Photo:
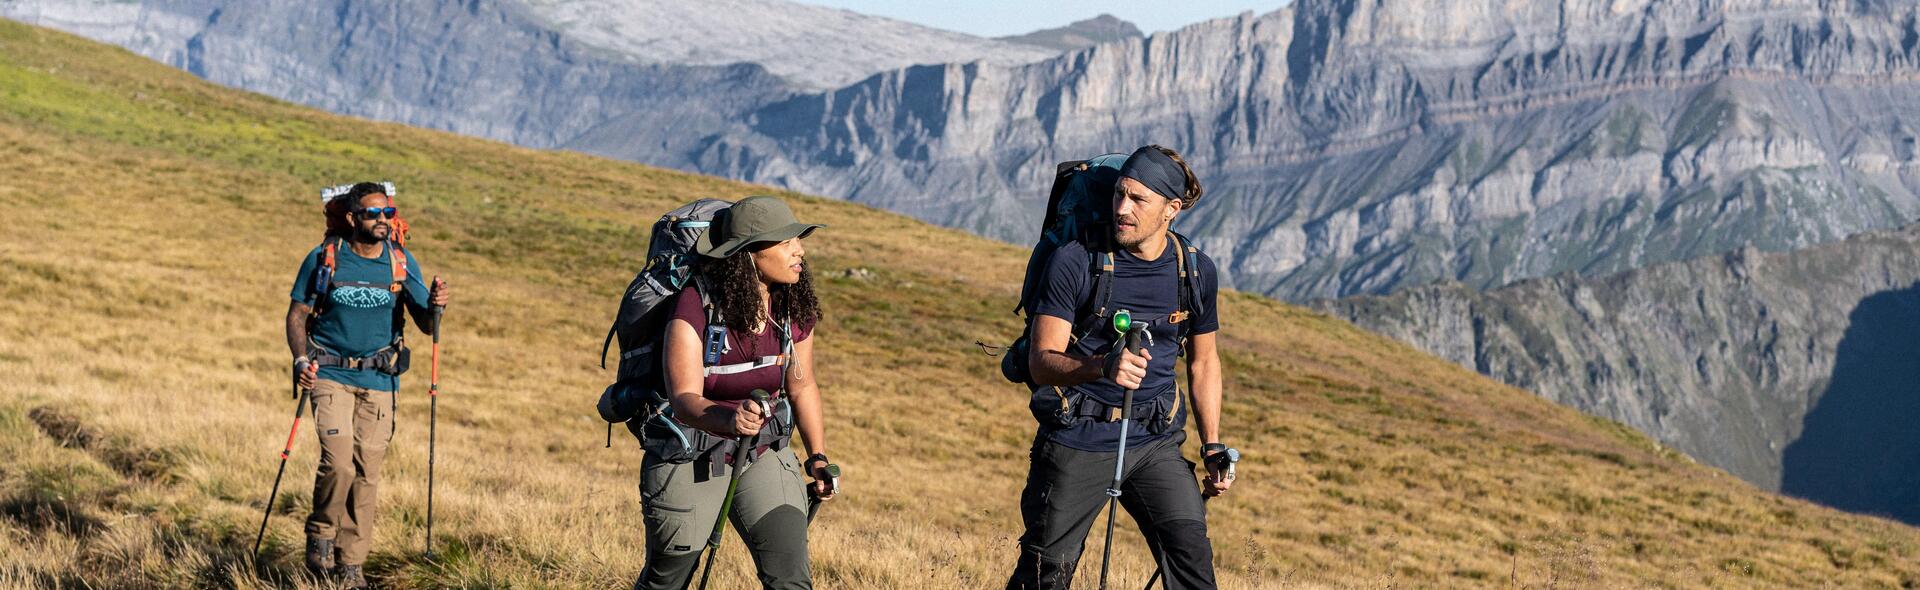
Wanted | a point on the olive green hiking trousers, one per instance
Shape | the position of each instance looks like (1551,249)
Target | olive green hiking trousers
(769,513)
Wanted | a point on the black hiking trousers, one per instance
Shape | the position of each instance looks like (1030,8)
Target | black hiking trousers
(1067,490)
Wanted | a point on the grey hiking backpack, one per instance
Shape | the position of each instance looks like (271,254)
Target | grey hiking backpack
(638,395)
(641,322)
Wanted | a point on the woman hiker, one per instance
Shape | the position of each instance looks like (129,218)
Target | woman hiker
(743,326)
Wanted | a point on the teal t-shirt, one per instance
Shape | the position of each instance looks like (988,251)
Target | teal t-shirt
(357,320)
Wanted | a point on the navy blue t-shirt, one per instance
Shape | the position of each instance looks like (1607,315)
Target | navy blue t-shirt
(1150,289)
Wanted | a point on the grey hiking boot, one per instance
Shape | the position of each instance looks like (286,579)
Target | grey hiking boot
(351,578)
(319,555)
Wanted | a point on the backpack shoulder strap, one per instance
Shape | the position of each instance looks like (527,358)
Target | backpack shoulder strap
(1184,310)
(1186,259)
(397,254)
(1102,283)
(1100,297)
(321,282)
(398,257)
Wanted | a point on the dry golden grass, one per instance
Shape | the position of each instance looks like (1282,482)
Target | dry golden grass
(155,222)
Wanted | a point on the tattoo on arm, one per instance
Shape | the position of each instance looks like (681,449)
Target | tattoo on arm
(297,314)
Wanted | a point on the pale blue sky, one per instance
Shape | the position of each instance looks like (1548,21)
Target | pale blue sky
(995,18)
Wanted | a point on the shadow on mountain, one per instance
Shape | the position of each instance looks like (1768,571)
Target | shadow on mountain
(1859,449)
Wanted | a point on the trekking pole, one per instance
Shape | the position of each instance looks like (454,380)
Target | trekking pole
(833,484)
(1123,325)
(742,450)
(433,418)
(298,411)
(1226,459)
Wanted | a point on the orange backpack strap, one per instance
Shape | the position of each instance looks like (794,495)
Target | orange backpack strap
(331,247)
(399,257)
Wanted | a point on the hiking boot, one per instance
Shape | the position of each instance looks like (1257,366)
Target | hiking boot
(319,555)
(351,578)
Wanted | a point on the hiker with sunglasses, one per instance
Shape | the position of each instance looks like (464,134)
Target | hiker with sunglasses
(1132,265)
(741,327)
(345,328)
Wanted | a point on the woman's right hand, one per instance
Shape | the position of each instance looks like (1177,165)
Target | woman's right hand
(747,419)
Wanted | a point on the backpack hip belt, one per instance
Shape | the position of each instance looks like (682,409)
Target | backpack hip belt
(675,442)
(1060,407)
(390,360)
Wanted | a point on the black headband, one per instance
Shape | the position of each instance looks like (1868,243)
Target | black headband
(1159,172)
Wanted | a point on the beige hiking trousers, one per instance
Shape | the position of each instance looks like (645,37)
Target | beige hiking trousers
(355,424)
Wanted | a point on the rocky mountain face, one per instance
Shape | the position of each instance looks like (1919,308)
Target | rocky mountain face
(810,46)
(485,69)
(1358,146)
(1799,372)
(1349,146)
(538,73)
(1105,28)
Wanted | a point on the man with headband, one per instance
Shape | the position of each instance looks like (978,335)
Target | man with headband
(1168,286)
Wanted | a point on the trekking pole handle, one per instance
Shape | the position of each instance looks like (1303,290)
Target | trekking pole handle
(436,312)
(759,397)
(1225,461)
(833,478)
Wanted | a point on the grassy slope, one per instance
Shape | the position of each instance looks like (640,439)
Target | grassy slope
(154,222)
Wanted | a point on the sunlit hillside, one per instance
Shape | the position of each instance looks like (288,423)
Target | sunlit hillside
(153,224)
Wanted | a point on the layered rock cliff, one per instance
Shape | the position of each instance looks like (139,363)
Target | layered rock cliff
(1796,371)
(1357,146)
(486,69)
(1350,146)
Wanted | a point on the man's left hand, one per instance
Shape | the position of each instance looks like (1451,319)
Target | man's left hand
(1219,476)
(438,297)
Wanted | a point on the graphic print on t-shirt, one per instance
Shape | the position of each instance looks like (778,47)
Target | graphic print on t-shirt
(362,297)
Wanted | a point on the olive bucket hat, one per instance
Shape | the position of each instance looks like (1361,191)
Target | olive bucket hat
(753,220)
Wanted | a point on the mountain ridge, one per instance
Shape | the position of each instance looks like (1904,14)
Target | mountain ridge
(1319,205)
(812,47)
(1735,359)
(1351,146)
(1081,34)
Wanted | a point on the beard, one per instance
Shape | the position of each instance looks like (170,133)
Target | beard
(1140,233)
(378,233)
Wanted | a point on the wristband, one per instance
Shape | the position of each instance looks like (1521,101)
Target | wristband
(1211,448)
(821,457)
(300,364)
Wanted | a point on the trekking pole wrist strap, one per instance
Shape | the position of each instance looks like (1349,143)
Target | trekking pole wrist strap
(1211,448)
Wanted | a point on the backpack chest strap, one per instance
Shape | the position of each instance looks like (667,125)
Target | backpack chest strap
(778,360)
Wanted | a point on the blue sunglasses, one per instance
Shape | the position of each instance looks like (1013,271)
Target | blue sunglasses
(376,212)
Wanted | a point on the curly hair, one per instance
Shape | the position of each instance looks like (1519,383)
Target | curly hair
(732,284)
